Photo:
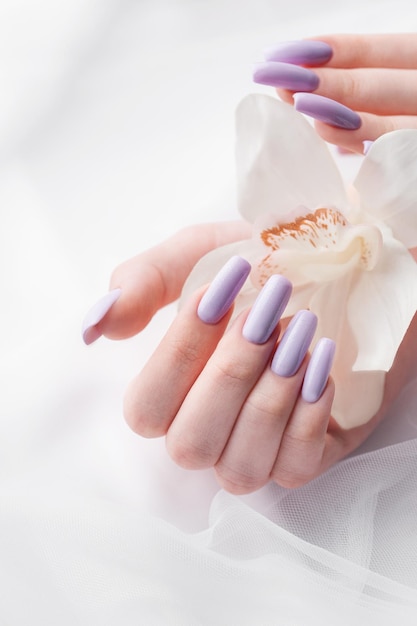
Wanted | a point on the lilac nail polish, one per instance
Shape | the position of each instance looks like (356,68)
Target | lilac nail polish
(305,52)
(223,290)
(96,314)
(294,344)
(366,146)
(327,110)
(286,76)
(318,370)
(267,309)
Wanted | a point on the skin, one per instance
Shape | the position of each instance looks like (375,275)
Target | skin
(375,75)
(268,432)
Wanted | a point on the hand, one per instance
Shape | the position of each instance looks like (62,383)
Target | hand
(215,395)
(149,281)
(375,76)
(212,392)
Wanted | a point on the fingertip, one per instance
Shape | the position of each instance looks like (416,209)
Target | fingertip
(347,141)
(285,95)
(91,330)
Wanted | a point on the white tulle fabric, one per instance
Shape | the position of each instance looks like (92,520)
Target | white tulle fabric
(342,550)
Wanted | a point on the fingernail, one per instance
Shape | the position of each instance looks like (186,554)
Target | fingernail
(286,76)
(294,344)
(318,370)
(327,110)
(96,314)
(300,52)
(267,309)
(223,290)
(366,146)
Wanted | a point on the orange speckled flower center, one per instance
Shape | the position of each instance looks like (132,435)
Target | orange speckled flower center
(319,229)
(321,245)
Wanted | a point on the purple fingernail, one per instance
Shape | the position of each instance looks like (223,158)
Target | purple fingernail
(327,110)
(96,314)
(267,309)
(294,344)
(286,76)
(366,146)
(223,290)
(300,52)
(318,370)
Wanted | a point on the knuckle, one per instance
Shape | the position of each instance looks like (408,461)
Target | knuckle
(186,350)
(298,461)
(189,454)
(231,372)
(265,409)
(288,477)
(238,480)
(141,412)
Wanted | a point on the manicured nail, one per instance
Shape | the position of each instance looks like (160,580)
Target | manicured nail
(294,344)
(267,309)
(300,52)
(327,110)
(96,314)
(366,146)
(286,76)
(318,370)
(224,288)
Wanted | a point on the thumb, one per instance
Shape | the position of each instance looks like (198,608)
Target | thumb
(145,283)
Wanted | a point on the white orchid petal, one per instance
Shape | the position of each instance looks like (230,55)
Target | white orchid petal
(207,267)
(381,306)
(358,395)
(349,263)
(281,161)
(387,183)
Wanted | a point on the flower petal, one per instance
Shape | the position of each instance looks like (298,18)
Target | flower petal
(381,306)
(208,266)
(281,161)
(358,394)
(319,246)
(387,183)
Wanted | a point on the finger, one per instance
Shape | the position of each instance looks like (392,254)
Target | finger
(395,50)
(372,127)
(154,278)
(251,450)
(378,91)
(302,447)
(248,458)
(199,433)
(154,397)
(203,424)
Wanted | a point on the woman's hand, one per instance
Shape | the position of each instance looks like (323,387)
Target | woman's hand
(230,397)
(374,76)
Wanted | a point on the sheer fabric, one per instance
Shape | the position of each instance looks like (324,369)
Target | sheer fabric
(340,550)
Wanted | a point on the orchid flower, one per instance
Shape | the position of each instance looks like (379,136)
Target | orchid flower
(346,253)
